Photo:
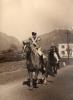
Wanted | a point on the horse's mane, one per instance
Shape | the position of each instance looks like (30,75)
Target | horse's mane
(33,55)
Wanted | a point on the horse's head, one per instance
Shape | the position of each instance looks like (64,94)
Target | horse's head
(27,46)
(52,50)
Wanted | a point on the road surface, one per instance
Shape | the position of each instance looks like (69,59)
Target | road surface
(58,88)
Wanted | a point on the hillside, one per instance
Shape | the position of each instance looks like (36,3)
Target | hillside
(7,42)
(58,36)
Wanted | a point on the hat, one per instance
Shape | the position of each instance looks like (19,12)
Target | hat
(33,33)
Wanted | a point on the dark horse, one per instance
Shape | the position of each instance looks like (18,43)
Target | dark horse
(34,63)
(53,59)
(52,65)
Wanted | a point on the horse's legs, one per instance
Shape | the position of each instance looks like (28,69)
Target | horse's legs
(55,69)
(44,78)
(28,75)
(46,73)
(35,78)
(31,79)
(36,75)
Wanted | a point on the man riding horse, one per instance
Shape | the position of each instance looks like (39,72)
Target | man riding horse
(34,43)
(34,55)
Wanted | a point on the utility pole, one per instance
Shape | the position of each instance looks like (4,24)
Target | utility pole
(68,47)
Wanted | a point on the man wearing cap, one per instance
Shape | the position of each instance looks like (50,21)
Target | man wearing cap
(34,42)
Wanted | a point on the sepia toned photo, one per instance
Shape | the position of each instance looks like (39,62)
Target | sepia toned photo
(36,49)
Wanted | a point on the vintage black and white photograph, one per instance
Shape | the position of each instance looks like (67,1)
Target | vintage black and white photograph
(36,49)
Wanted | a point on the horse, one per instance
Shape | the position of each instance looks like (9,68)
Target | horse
(53,59)
(51,64)
(34,63)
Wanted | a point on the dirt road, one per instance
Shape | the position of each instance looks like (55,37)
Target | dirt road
(58,88)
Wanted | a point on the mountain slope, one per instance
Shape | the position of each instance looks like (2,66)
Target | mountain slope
(57,36)
(7,42)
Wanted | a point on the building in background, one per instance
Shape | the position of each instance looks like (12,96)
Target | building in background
(64,50)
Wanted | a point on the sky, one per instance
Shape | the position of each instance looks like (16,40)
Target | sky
(20,17)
